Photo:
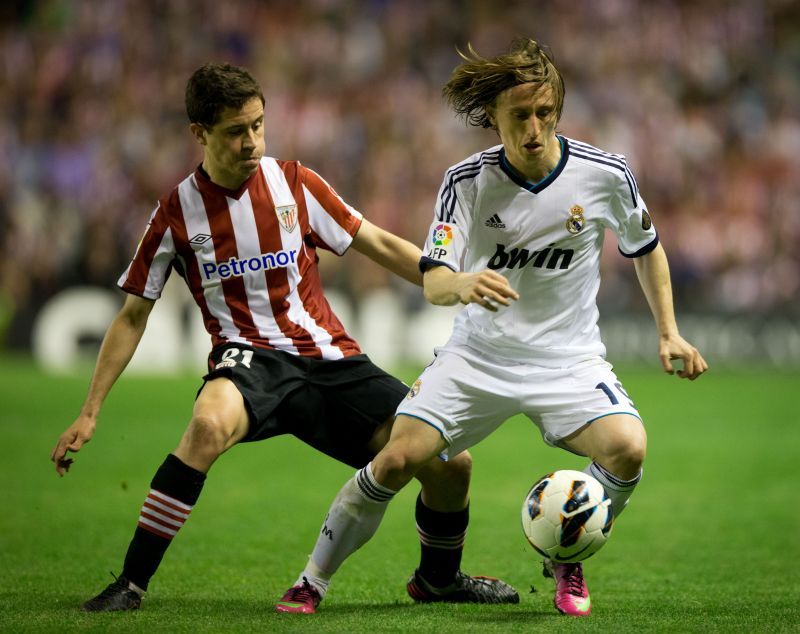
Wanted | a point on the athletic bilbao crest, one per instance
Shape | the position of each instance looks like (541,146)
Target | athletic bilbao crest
(287,216)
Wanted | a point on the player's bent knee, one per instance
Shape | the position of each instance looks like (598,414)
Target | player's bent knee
(630,450)
(208,433)
(392,465)
(637,446)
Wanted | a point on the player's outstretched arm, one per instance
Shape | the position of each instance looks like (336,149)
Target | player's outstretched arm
(390,251)
(121,340)
(445,287)
(653,273)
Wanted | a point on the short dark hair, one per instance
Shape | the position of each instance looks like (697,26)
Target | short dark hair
(476,83)
(213,87)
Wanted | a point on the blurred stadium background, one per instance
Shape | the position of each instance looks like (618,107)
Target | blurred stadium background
(703,97)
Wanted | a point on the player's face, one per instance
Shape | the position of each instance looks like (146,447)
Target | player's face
(234,145)
(525,118)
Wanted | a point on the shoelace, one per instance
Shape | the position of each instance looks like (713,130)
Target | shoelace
(112,589)
(479,585)
(468,581)
(303,593)
(574,580)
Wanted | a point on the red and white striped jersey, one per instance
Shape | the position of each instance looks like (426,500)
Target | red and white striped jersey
(249,257)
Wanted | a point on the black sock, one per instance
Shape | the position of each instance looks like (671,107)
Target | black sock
(173,492)
(441,537)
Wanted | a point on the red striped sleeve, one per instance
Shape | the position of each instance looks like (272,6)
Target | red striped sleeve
(152,263)
(333,222)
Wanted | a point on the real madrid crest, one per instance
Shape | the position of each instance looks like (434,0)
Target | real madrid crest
(414,389)
(287,216)
(646,222)
(576,220)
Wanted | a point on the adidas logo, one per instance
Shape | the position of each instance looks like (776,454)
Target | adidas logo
(495,223)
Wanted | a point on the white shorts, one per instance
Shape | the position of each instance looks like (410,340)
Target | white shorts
(467,394)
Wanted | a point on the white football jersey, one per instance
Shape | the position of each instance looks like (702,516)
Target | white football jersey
(545,238)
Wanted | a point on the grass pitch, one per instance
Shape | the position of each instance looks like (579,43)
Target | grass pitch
(710,542)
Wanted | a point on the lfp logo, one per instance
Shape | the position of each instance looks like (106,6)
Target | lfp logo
(442,235)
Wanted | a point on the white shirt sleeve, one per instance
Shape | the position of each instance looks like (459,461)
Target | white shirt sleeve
(446,241)
(629,218)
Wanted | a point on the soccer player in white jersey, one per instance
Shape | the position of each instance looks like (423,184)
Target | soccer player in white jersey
(516,236)
(242,230)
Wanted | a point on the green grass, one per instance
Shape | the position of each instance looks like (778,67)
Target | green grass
(710,542)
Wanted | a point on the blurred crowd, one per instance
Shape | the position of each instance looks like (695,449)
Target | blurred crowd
(703,97)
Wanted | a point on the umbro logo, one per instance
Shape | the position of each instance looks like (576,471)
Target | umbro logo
(495,223)
(200,238)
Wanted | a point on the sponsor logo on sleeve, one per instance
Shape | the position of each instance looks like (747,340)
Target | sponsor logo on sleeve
(442,235)
(646,222)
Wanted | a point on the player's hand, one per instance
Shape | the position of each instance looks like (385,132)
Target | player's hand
(485,288)
(75,437)
(675,347)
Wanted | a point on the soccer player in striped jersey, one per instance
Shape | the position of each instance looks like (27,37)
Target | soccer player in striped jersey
(242,231)
(516,236)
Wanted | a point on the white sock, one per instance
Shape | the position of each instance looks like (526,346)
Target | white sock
(352,520)
(320,583)
(135,588)
(618,490)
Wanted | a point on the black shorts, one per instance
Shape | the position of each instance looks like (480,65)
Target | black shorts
(333,406)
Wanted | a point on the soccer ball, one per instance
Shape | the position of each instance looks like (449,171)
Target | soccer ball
(567,516)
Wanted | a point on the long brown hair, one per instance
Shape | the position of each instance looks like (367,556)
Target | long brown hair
(476,82)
